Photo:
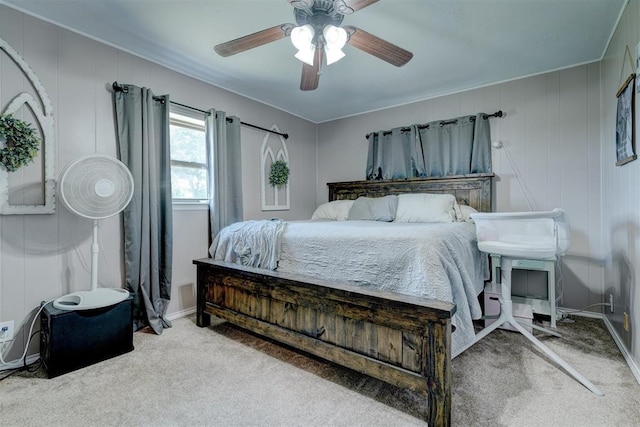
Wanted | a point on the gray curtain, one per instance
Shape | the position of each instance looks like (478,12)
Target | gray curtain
(441,148)
(481,150)
(225,185)
(395,154)
(143,141)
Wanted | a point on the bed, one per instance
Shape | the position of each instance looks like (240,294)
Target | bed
(399,338)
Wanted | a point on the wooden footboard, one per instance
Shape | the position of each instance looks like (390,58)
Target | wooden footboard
(400,339)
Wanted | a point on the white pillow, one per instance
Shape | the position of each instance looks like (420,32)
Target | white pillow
(374,208)
(466,211)
(425,207)
(338,210)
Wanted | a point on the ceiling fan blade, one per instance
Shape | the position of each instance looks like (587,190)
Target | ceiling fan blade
(253,40)
(311,73)
(377,47)
(347,7)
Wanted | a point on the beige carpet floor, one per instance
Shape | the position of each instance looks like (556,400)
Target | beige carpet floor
(224,376)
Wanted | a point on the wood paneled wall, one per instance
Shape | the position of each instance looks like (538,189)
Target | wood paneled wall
(43,257)
(551,156)
(559,152)
(621,192)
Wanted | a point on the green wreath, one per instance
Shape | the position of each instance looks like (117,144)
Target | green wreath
(279,174)
(21,143)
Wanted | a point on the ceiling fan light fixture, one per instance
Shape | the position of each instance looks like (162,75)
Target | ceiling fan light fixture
(302,37)
(333,55)
(335,38)
(306,55)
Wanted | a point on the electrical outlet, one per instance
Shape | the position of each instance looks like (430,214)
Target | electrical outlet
(626,322)
(611,303)
(7,329)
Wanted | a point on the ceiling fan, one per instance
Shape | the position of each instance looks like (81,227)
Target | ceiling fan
(319,37)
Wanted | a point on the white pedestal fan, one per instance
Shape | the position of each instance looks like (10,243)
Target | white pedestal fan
(94,187)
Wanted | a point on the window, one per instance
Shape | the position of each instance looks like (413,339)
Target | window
(189,171)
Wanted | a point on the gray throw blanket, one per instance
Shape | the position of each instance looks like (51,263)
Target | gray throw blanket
(255,243)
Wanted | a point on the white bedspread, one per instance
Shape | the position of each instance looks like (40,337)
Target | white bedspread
(437,261)
(253,243)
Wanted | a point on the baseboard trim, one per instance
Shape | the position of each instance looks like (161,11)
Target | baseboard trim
(616,338)
(623,349)
(181,313)
(589,314)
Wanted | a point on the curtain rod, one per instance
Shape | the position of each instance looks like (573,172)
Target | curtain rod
(498,113)
(116,87)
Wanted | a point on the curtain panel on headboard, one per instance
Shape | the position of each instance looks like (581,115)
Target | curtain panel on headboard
(440,148)
(395,154)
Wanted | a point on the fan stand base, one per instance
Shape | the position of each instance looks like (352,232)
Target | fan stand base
(87,300)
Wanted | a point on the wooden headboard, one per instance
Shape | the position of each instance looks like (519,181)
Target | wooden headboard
(472,190)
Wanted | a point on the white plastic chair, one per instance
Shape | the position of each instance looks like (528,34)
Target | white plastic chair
(526,235)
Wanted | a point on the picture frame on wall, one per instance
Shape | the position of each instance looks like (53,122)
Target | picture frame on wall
(624,123)
(638,67)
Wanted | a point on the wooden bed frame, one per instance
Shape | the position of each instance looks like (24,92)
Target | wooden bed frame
(400,339)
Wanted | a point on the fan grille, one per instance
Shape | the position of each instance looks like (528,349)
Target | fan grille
(96,186)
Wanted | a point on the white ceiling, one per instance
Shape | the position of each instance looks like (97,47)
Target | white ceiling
(457,45)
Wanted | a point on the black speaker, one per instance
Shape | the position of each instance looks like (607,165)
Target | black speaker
(73,339)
